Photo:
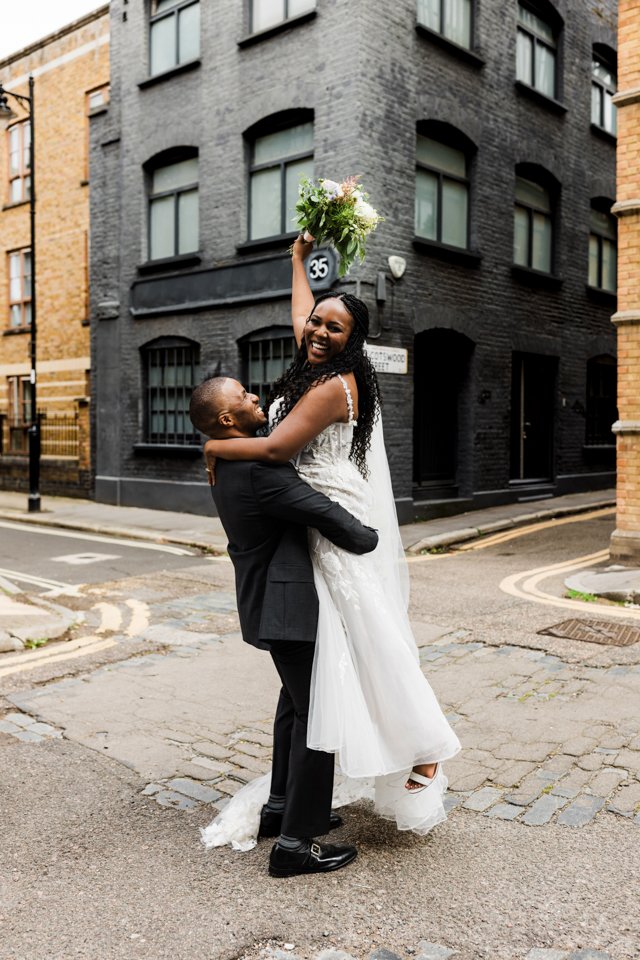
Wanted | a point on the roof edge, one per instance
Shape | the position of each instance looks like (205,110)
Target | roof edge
(51,37)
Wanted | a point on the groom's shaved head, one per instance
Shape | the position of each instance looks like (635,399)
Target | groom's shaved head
(221,407)
(208,401)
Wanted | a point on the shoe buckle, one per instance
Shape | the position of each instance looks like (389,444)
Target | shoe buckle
(315,849)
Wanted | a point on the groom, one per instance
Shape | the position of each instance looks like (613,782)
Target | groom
(265,510)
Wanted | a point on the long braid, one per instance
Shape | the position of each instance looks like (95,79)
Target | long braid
(302,376)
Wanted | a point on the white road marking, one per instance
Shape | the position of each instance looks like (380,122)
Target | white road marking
(139,618)
(110,617)
(97,538)
(78,559)
(32,663)
(54,587)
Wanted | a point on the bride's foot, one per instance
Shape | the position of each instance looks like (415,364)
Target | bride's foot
(426,771)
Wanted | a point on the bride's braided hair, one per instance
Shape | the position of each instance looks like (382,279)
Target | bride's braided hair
(302,376)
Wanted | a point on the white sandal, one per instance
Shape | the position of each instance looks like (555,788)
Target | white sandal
(425,781)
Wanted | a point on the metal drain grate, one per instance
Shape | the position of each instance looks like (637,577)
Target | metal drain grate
(595,631)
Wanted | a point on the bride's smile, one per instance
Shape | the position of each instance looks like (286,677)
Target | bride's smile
(327,331)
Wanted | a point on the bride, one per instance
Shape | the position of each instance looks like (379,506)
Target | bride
(371,705)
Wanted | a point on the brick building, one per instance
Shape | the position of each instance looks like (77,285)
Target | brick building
(71,75)
(625,543)
(485,134)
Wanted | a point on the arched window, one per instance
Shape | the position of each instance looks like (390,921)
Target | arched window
(173,203)
(450,18)
(602,246)
(267,13)
(602,411)
(533,218)
(174,34)
(442,185)
(170,371)
(266,354)
(603,88)
(281,152)
(537,46)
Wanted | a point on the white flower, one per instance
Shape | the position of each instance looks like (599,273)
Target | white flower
(332,189)
(365,211)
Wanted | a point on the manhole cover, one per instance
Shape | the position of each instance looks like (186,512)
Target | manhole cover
(594,631)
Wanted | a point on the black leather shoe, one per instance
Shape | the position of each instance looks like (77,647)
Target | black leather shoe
(271,823)
(314,858)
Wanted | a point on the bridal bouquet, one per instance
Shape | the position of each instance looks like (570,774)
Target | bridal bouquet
(338,213)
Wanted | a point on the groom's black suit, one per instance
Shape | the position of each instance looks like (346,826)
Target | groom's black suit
(265,510)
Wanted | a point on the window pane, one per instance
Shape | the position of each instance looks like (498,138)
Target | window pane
(457,21)
(189,33)
(162,242)
(15,289)
(284,143)
(265,214)
(163,44)
(601,72)
(521,237)
(16,190)
(596,104)
(161,5)
(96,99)
(26,312)
(524,58)
(26,280)
(541,258)
(426,205)
(532,194)
(175,175)
(188,226)
(266,13)
(293,172)
(15,316)
(296,7)
(535,24)
(26,188)
(429,14)
(608,266)
(440,156)
(26,144)
(594,257)
(610,120)
(603,223)
(455,199)
(545,70)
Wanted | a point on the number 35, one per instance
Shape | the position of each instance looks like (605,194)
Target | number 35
(318,268)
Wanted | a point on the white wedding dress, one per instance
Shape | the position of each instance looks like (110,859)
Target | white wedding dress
(370,703)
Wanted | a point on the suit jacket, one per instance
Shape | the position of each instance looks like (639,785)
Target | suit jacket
(265,510)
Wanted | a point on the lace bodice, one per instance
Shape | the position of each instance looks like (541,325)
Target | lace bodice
(324,462)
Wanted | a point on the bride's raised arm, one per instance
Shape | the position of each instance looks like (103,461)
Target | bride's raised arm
(302,298)
(319,407)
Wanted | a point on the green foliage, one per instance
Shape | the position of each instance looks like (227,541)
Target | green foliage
(338,213)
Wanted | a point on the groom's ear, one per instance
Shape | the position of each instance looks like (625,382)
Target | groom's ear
(225,419)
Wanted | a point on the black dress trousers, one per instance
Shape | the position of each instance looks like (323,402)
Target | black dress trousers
(303,776)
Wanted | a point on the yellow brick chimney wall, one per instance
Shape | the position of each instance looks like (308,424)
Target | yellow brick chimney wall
(625,542)
(66,67)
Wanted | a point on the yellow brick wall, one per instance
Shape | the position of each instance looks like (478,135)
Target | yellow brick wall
(625,542)
(65,66)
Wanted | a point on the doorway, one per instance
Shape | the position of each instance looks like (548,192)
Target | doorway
(533,388)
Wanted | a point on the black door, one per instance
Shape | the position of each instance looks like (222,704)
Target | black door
(441,364)
(532,416)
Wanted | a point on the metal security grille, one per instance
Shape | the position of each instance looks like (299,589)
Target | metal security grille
(59,435)
(265,360)
(171,372)
(595,631)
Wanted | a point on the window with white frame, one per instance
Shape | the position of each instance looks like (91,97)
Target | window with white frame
(533,226)
(442,193)
(278,161)
(170,372)
(173,209)
(19,136)
(451,18)
(174,34)
(536,52)
(603,88)
(268,13)
(19,267)
(602,250)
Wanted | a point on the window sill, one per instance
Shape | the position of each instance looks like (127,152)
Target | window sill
(277,28)
(169,74)
(18,203)
(444,251)
(540,98)
(98,111)
(267,243)
(599,447)
(536,278)
(606,297)
(464,53)
(14,331)
(605,135)
(170,263)
(169,449)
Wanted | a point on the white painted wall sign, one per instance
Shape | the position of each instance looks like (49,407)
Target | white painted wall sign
(388,359)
